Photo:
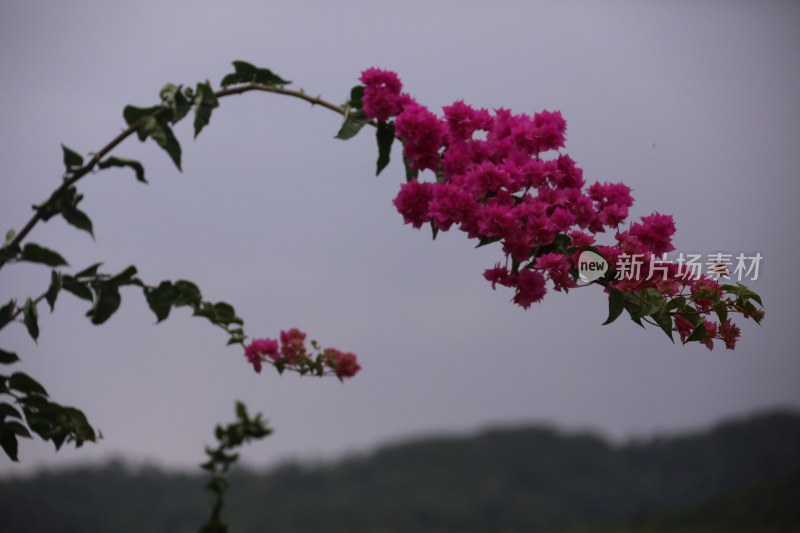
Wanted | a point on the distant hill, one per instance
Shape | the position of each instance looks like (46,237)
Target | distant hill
(742,475)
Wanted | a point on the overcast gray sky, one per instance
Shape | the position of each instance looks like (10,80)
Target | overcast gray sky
(694,105)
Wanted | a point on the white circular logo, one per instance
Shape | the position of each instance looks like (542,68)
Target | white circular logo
(591,266)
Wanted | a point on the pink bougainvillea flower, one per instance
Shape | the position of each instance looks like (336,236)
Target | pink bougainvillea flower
(412,202)
(344,364)
(292,345)
(256,351)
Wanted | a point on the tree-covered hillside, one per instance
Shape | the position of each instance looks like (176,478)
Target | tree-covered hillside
(741,475)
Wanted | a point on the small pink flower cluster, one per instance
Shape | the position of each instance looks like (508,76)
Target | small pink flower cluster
(292,353)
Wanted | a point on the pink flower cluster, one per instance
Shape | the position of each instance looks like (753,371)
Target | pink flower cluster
(500,177)
(493,181)
(291,352)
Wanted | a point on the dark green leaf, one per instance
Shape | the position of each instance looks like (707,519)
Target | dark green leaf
(106,303)
(487,240)
(8,253)
(411,172)
(616,304)
(434,230)
(161,133)
(160,299)
(241,412)
(25,384)
(89,271)
(187,293)
(7,312)
(52,291)
(133,115)
(72,159)
(352,124)
(699,333)
(753,296)
(17,429)
(635,311)
(34,253)
(679,302)
(7,410)
(664,321)
(205,101)
(124,278)
(31,318)
(225,314)
(385,136)
(68,283)
(6,358)
(78,218)
(8,440)
(721,309)
(246,73)
(174,99)
(356,97)
(120,162)
(206,310)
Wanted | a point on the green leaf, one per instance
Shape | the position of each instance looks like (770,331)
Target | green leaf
(224,313)
(246,73)
(120,162)
(664,321)
(8,253)
(8,410)
(205,101)
(434,230)
(25,384)
(78,218)
(6,358)
(7,312)
(34,253)
(699,333)
(158,130)
(174,99)
(89,271)
(187,293)
(17,429)
(747,293)
(411,172)
(134,114)
(356,97)
(352,124)
(72,159)
(160,299)
(8,440)
(124,278)
(616,304)
(70,284)
(106,303)
(651,303)
(487,240)
(241,412)
(679,302)
(31,318)
(721,309)
(52,291)
(385,136)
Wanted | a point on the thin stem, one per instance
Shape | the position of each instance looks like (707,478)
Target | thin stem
(314,100)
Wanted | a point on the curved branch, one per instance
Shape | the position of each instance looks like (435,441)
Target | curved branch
(77,174)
